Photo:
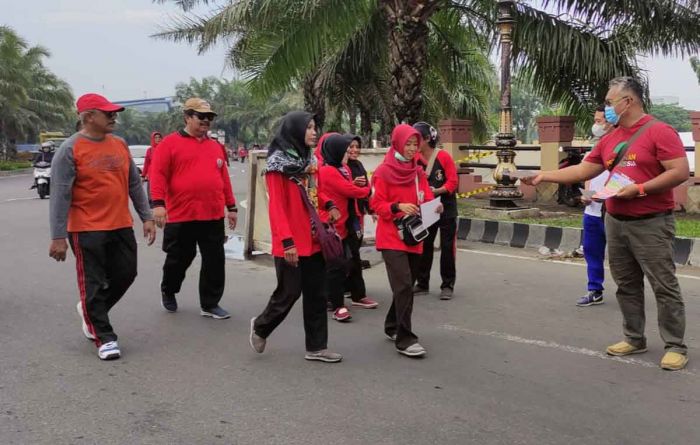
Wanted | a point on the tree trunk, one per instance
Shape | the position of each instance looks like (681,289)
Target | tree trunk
(352,115)
(366,126)
(408,53)
(314,98)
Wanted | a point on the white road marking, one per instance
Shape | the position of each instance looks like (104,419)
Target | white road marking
(553,345)
(244,203)
(20,199)
(568,263)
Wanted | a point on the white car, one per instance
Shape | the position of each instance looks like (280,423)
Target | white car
(138,153)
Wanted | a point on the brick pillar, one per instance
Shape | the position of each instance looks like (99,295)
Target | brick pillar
(453,133)
(554,132)
(695,122)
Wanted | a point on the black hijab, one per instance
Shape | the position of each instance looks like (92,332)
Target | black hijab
(334,148)
(288,153)
(356,166)
(291,133)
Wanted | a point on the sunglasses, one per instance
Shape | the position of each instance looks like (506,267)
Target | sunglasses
(609,102)
(108,114)
(204,116)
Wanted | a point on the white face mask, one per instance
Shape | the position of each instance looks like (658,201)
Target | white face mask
(598,130)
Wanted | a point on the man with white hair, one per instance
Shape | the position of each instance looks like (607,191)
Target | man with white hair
(93,177)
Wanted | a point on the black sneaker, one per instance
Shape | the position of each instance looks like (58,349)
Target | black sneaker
(169,302)
(215,312)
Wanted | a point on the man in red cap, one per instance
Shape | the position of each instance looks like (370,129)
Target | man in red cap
(93,177)
(190,188)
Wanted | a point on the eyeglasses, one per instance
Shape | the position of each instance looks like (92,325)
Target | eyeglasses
(609,102)
(203,116)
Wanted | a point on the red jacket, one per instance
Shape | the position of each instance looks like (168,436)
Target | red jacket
(149,155)
(290,224)
(147,162)
(385,194)
(189,177)
(333,186)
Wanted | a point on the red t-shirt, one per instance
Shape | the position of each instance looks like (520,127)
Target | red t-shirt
(641,163)
(189,176)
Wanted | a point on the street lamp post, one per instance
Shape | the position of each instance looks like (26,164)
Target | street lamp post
(506,192)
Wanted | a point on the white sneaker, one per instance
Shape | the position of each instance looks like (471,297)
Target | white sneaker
(109,351)
(415,350)
(86,330)
(324,355)
(256,342)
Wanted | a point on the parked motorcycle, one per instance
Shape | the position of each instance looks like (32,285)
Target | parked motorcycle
(570,194)
(42,178)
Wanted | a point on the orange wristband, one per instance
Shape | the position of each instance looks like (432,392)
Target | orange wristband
(640,188)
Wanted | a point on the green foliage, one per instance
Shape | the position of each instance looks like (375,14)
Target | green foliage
(674,115)
(244,119)
(32,98)
(566,51)
(14,165)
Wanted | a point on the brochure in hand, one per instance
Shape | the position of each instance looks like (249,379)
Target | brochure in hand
(616,182)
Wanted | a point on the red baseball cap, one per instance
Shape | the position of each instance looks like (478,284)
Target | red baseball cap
(92,101)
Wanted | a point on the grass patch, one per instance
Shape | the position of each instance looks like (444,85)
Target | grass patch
(14,165)
(687,225)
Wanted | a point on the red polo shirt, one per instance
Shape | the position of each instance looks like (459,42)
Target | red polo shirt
(190,177)
(642,162)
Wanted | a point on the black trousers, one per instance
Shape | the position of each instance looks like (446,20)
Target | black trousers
(350,275)
(448,273)
(180,241)
(401,267)
(106,265)
(307,279)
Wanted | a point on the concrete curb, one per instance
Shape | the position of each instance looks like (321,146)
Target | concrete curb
(686,251)
(23,171)
(694,259)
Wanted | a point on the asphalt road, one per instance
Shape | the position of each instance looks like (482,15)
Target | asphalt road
(510,360)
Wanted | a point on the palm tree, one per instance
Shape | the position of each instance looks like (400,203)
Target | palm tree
(31,97)
(353,70)
(239,112)
(695,63)
(567,50)
(132,127)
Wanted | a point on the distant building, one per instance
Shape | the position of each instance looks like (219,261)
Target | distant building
(154,105)
(665,100)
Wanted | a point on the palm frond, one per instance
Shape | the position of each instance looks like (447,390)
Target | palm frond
(668,27)
(567,64)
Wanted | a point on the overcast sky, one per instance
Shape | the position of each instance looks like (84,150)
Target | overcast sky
(104,46)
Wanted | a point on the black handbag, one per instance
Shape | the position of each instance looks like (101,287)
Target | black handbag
(410,227)
(411,230)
